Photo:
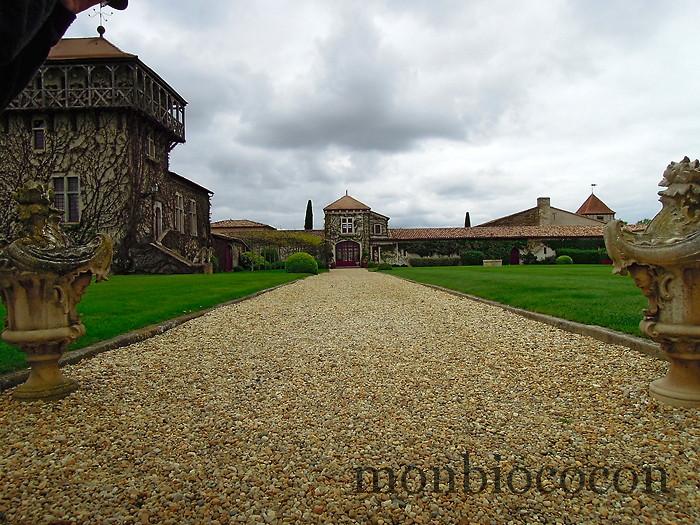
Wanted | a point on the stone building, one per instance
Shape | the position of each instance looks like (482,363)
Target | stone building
(263,239)
(98,125)
(544,214)
(596,209)
(353,231)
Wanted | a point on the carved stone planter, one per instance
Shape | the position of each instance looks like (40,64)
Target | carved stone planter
(42,278)
(664,261)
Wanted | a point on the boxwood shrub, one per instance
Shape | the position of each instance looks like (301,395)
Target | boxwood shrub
(564,259)
(384,266)
(588,256)
(301,262)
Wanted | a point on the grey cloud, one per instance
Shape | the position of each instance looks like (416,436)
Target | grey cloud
(423,110)
(358,101)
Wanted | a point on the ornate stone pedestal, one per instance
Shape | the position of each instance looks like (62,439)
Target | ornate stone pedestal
(42,278)
(664,261)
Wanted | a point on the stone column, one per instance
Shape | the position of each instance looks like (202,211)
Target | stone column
(664,262)
(42,279)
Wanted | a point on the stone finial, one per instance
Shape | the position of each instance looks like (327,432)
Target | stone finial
(664,262)
(42,278)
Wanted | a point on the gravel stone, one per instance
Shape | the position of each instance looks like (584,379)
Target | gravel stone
(259,412)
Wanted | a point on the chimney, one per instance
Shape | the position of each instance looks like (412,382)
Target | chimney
(544,211)
(467,221)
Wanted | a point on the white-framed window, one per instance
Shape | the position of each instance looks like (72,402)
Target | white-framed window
(151,146)
(179,213)
(39,135)
(347,225)
(66,197)
(377,229)
(193,217)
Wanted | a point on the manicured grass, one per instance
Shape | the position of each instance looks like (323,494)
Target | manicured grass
(589,294)
(129,302)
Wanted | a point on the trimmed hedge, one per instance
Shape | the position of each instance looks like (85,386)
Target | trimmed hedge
(472,257)
(580,256)
(384,266)
(564,259)
(301,262)
(434,261)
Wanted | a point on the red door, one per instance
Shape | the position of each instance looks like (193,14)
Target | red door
(347,253)
(515,255)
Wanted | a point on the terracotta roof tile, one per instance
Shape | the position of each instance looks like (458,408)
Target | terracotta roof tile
(240,223)
(495,232)
(593,205)
(346,202)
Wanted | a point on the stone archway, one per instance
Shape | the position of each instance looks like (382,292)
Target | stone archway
(347,254)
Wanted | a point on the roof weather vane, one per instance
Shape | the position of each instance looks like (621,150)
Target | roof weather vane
(593,186)
(120,5)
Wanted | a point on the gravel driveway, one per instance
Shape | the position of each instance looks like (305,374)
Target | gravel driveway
(265,410)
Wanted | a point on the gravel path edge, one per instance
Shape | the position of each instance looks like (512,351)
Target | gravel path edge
(12,379)
(597,332)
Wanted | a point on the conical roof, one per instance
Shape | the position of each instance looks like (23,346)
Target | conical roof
(594,206)
(85,48)
(346,202)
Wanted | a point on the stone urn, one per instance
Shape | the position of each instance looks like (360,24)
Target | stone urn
(42,278)
(664,262)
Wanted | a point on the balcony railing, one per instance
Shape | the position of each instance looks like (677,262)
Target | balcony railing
(104,86)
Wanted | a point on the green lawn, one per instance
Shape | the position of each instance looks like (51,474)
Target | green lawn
(588,294)
(129,302)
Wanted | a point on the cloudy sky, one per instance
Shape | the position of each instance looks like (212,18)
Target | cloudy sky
(423,109)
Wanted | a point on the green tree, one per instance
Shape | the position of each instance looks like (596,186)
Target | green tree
(309,220)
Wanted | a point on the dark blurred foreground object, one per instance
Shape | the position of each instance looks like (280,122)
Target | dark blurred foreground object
(117,4)
(28,30)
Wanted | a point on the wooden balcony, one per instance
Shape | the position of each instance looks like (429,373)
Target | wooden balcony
(112,85)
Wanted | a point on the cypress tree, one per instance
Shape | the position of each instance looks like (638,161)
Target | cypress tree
(309,220)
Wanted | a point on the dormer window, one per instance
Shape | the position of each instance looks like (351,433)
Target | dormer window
(347,225)
(377,229)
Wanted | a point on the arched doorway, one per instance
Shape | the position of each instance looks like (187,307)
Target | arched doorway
(515,255)
(347,253)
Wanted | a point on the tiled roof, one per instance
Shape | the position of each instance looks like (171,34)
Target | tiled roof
(593,205)
(189,182)
(495,232)
(240,223)
(346,202)
(82,48)
(317,233)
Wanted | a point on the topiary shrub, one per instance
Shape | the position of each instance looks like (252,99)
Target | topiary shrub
(384,266)
(301,262)
(472,257)
(564,259)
